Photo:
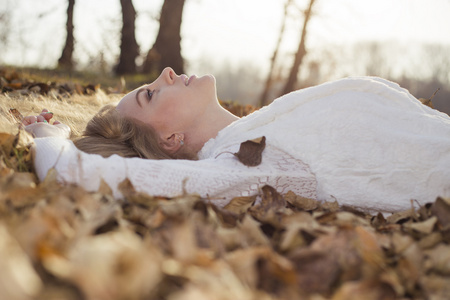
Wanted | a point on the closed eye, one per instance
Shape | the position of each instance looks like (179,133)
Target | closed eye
(150,94)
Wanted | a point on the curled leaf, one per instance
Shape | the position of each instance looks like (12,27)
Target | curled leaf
(240,205)
(16,114)
(428,101)
(250,151)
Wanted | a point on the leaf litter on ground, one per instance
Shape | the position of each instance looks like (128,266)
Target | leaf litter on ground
(69,243)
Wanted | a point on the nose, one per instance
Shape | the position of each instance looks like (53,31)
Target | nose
(168,75)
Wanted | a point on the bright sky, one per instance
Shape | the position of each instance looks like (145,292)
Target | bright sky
(228,31)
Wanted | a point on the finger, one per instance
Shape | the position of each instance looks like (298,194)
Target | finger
(41,118)
(29,120)
(47,114)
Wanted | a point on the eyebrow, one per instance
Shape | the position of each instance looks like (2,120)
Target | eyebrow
(137,95)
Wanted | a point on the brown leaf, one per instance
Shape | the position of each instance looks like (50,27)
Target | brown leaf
(10,75)
(410,261)
(425,227)
(240,205)
(78,88)
(441,209)
(401,217)
(7,142)
(437,286)
(430,240)
(228,219)
(438,259)
(299,231)
(378,220)
(366,289)
(247,233)
(90,89)
(179,206)
(16,114)
(316,270)
(5,170)
(250,151)
(251,229)
(40,87)
(261,267)
(428,101)
(15,85)
(271,199)
(330,206)
(368,248)
(301,202)
(127,188)
(105,188)
(325,218)
(271,208)
(19,190)
(18,278)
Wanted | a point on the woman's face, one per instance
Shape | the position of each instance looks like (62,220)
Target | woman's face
(171,103)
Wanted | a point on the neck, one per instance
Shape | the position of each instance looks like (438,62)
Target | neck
(215,119)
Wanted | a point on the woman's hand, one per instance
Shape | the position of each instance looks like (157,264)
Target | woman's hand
(39,126)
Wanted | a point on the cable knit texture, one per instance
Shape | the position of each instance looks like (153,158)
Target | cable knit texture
(364,142)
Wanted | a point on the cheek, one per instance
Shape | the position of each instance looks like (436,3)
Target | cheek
(175,111)
(165,118)
(175,107)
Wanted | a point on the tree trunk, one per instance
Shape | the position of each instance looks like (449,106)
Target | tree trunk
(301,52)
(66,60)
(129,49)
(166,51)
(263,98)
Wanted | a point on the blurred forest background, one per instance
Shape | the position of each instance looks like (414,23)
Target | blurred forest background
(136,42)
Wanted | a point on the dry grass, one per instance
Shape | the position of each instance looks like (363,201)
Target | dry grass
(74,111)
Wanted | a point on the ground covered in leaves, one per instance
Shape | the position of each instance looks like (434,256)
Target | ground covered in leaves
(61,242)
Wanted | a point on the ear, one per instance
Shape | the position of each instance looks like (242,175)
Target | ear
(173,143)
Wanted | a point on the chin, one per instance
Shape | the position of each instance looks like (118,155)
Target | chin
(211,78)
(213,84)
(209,82)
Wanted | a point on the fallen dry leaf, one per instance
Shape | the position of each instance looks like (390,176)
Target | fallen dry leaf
(441,209)
(367,290)
(438,259)
(18,279)
(16,114)
(425,227)
(301,203)
(7,142)
(428,102)
(240,205)
(250,152)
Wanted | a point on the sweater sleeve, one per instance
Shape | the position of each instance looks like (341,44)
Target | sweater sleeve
(218,179)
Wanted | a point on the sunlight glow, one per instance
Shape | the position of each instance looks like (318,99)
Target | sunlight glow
(227,32)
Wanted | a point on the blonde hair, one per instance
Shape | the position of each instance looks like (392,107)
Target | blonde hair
(109,133)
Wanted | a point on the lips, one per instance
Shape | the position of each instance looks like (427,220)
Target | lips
(187,80)
(190,79)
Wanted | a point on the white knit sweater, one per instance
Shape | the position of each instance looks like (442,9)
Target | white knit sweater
(364,142)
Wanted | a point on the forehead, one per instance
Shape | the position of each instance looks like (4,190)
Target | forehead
(128,101)
(128,106)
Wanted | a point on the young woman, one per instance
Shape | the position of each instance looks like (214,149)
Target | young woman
(364,142)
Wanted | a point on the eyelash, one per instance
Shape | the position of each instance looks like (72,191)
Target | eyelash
(150,94)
